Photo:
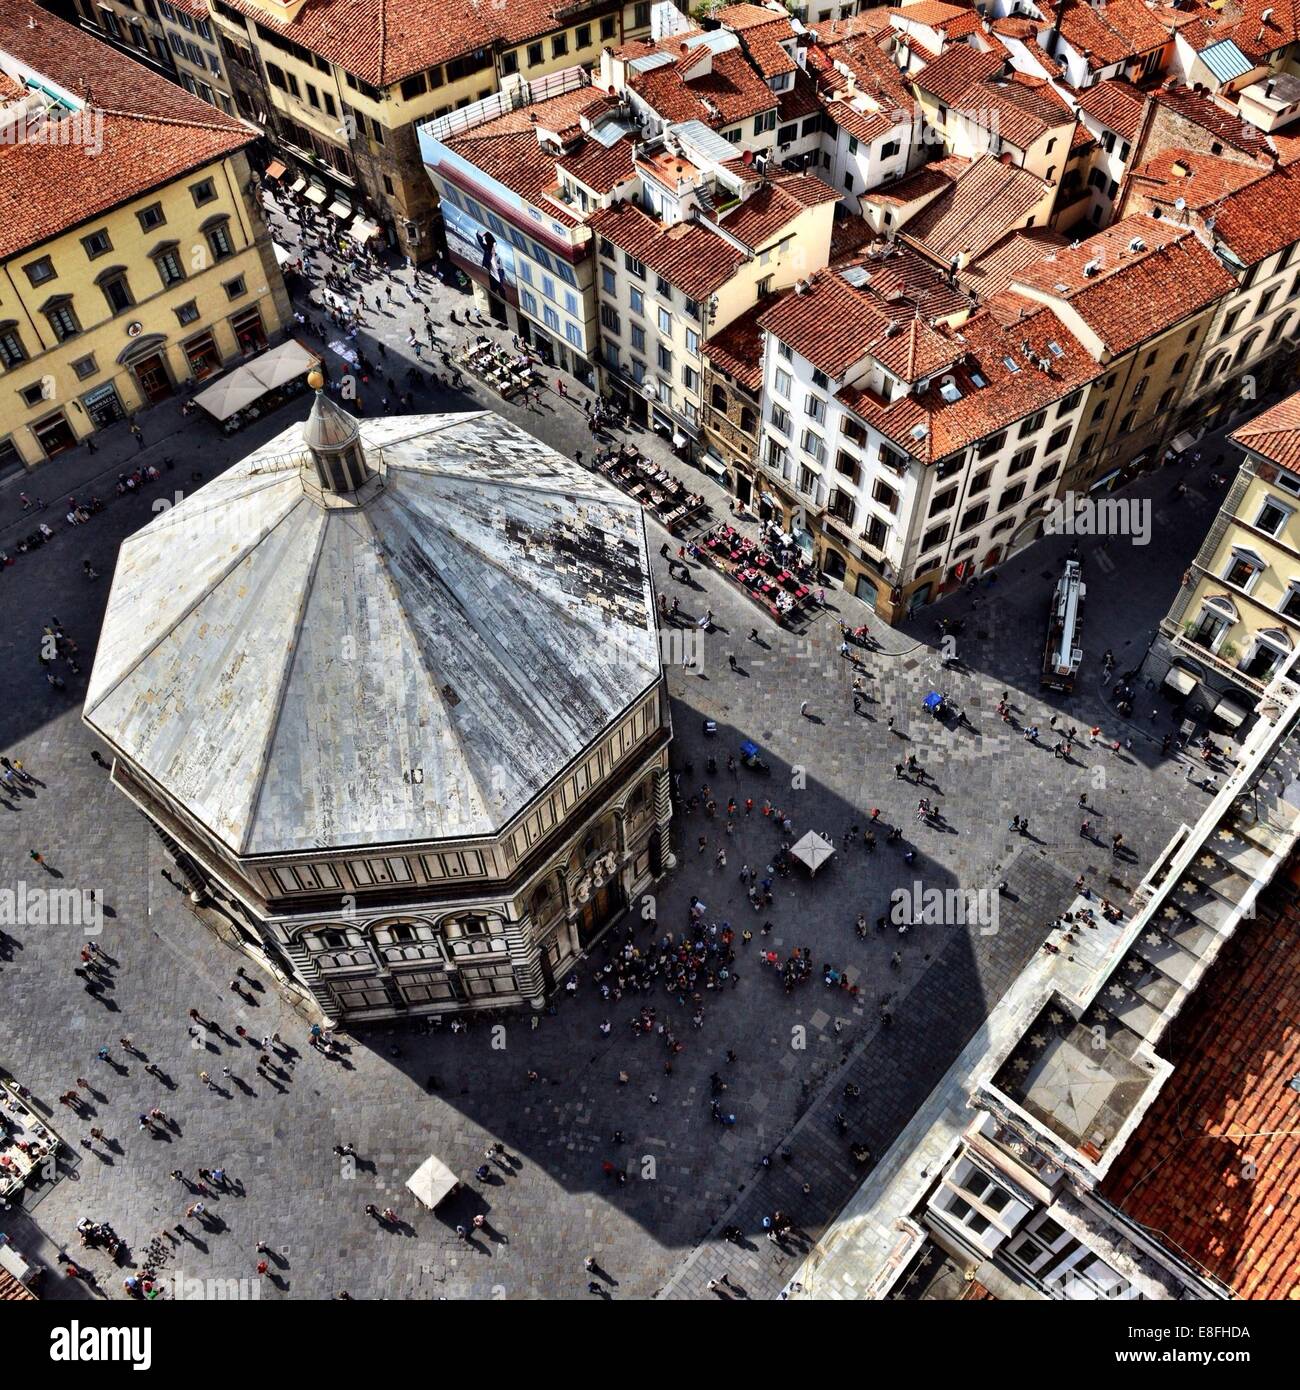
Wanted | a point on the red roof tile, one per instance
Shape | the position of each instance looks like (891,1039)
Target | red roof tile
(761,31)
(1109,33)
(1023,107)
(742,17)
(798,100)
(693,259)
(1275,433)
(14,1290)
(834,325)
(598,167)
(153,132)
(924,183)
(1200,180)
(1116,105)
(1261,218)
(383,41)
(930,427)
(1226,126)
(763,214)
(1256,36)
(1134,293)
(869,23)
(934,14)
(738,349)
(508,150)
(953,74)
(728,92)
(984,202)
(1210,1168)
(993,272)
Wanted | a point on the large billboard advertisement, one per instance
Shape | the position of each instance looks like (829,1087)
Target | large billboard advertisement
(480,253)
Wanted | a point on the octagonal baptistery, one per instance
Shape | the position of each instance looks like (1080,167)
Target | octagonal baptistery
(391,689)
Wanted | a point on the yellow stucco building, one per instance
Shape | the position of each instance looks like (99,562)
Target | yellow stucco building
(1236,618)
(132,256)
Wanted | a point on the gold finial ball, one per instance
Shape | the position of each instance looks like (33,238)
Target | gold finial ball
(316,379)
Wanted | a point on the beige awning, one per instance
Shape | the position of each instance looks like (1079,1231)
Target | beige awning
(431,1182)
(813,850)
(251,381)
(316,194)
(1230,711)
(1179,678)
(362,231)
(341,210)
(1183,442)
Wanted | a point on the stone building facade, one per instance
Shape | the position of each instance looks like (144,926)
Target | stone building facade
(458,777)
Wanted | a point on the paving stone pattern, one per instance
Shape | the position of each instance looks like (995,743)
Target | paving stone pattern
(551,1205)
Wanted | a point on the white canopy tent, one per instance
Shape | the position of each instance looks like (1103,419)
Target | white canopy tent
(432,1181)
(813,849)
(251,381)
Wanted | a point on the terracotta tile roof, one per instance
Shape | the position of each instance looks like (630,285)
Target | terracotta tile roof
(738,349)
(869,23)
(13,1290)
(153,132)
(1135,293)
(696,261)
(993,272)
(924,183)
(872,70)
(1041,56)
(1275,433)
(761,31)
(909,282)
(934,14)
(1107,34)
(598,167)
(849,234)
(951,76)
(798,100)
(835,325)
(730,91)
(507,149)
(742,17)
(757,219)
(985,201)
(929,427)
(1226,126)
(1114,104)
(855,115)
(1210,1169)
(966,79)
(1016,27)
(1257,37)
(1261,218)
(383,41)
(1200,180)
(1082,139)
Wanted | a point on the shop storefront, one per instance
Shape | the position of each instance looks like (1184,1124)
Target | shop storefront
(103,406)
(54,434)
(203,356)
(249,331)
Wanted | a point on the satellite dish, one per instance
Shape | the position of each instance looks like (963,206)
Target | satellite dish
(1180,203)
